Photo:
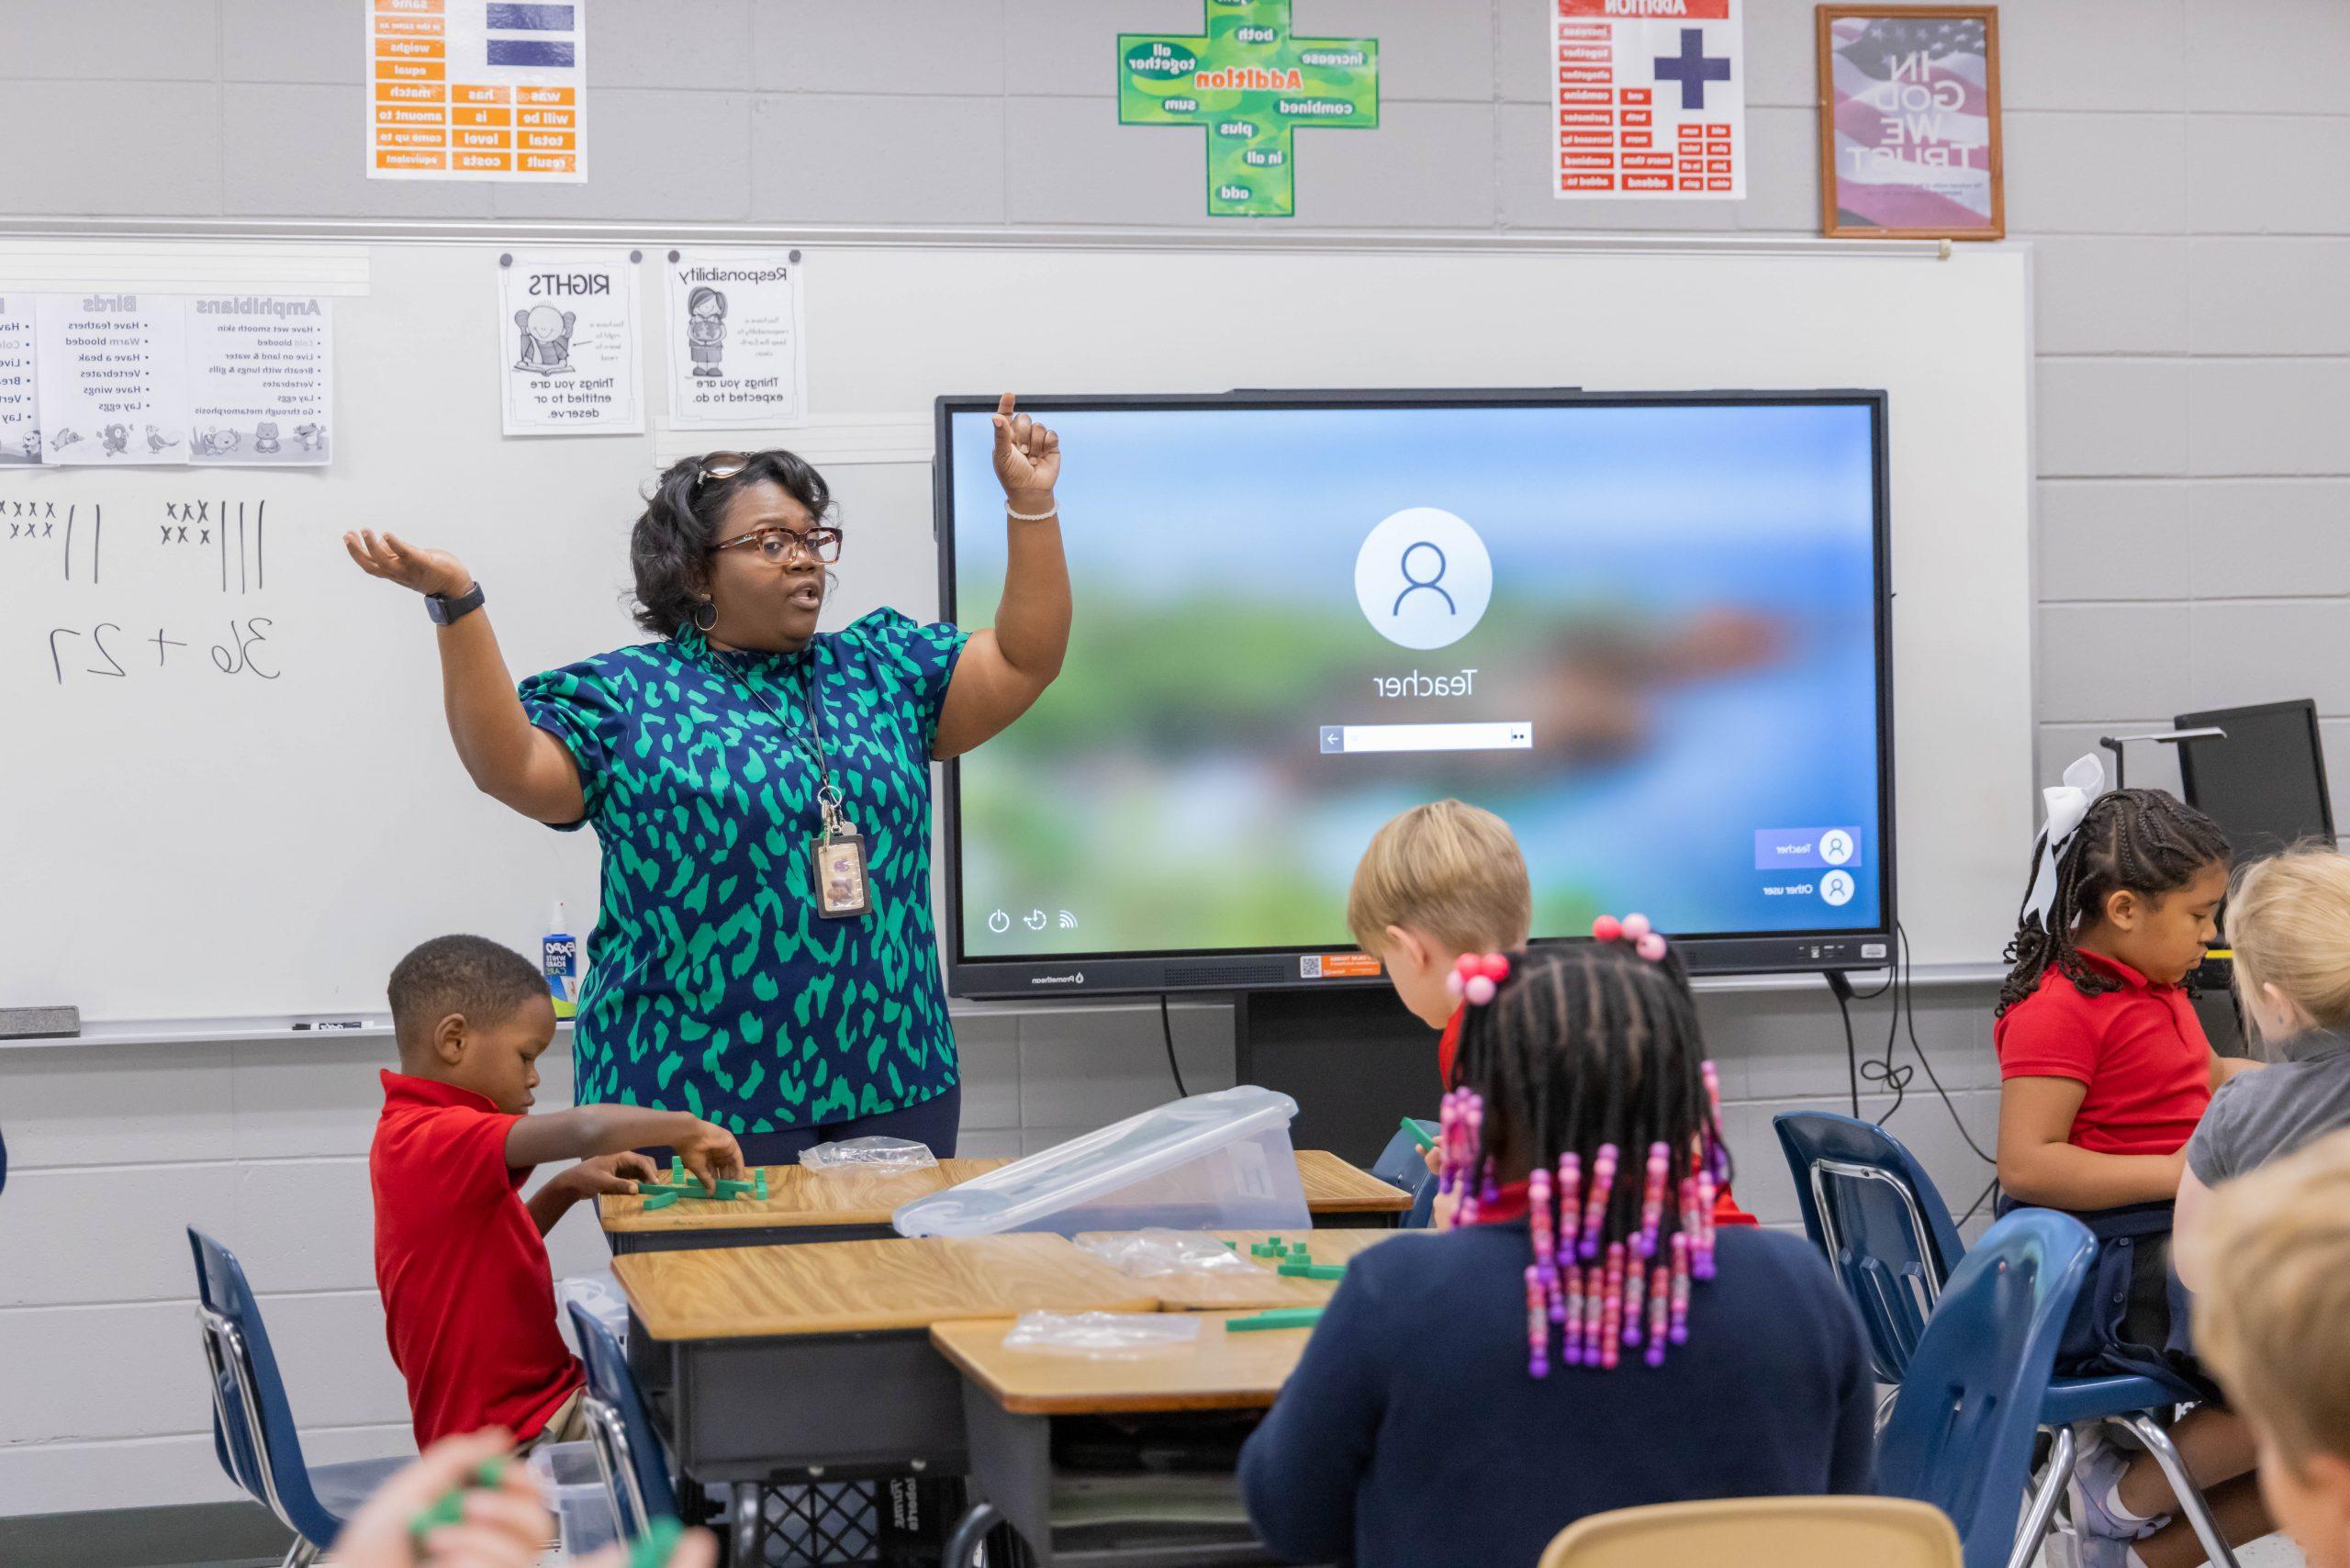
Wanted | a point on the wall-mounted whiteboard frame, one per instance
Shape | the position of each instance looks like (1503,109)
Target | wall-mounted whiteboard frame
(894,317)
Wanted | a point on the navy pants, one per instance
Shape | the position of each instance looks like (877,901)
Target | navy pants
(935,1122)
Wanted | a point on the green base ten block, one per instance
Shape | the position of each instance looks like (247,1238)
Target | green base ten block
(451,1506)
(1286,1317)
(653,1548)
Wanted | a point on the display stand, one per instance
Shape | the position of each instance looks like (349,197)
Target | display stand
(1352,1057)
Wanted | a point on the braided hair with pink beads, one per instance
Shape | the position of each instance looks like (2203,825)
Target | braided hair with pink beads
(1582,1068)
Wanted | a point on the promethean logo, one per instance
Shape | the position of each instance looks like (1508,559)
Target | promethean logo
(1076,979)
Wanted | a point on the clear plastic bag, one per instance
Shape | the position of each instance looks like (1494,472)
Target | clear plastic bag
(1104,1335)
(868,1156)
(1156,1254)
(600,1295)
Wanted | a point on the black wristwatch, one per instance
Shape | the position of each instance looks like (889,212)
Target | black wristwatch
(447,610)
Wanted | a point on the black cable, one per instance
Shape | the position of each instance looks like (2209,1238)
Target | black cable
(1891,973)
(1842,989)
(1894,1077)
(1989,1188)
(1910,986)
(1167,1027)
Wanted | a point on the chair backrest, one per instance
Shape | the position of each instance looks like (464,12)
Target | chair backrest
(1401,1164)
(628,1450)
(1762,1532)
(1871,1208)
(1960,1433)
(252,1423)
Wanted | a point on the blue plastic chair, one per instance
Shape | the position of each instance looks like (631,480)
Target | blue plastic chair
(1961,1428)
(1401,1165)
(252,1424)
(1871,1208)
(628,1450)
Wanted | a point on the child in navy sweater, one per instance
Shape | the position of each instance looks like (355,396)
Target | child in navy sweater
(1584,1338)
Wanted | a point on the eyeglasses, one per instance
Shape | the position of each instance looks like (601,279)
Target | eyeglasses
(719,465)
(776,544)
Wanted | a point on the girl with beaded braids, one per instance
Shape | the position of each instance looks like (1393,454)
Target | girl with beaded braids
(1583,1338)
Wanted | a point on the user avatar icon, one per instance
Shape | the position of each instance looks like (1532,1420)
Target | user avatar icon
(1836,846)
(1837,888)
(1423,578)
(1413,584)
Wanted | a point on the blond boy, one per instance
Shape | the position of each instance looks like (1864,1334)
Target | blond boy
(1440,880)
(2273,1321)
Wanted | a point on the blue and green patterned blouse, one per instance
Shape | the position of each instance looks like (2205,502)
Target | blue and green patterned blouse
(713,986)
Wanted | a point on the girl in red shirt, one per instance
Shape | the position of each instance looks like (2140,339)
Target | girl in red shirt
(2104,1072)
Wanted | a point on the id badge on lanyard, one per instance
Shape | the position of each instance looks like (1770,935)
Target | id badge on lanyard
(836,856)
(836,865)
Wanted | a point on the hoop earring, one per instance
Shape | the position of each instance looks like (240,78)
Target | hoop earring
(706,616)
(831,583)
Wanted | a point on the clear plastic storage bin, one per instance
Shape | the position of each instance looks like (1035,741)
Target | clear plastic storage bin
(1218,1161)
(576,1495)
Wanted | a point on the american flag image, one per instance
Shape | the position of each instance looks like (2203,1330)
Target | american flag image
(1913,131)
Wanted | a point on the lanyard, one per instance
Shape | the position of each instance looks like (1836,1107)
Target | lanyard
(810,741)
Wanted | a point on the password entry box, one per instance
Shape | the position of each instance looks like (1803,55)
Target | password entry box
(1511,734)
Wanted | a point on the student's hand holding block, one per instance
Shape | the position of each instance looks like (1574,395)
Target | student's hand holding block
(505,1526)
(711,1154)
(610,1174)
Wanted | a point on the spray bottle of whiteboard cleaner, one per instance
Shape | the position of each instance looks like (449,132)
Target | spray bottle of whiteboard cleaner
(559,961)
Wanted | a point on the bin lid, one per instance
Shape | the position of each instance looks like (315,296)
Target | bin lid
(1016,1196)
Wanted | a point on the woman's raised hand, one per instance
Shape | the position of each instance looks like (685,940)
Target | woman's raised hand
(1027,456)
(426,571)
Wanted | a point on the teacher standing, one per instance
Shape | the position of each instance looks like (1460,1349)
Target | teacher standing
(764,955)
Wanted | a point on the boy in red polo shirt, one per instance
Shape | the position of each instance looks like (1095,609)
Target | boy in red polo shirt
(2104,1071)
(460,1258)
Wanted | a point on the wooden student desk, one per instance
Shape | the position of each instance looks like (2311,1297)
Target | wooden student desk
(817,1358)
(772,1363)
(1010,1399)
(804,1206)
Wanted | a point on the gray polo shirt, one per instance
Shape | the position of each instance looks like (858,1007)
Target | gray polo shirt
(2257,1117)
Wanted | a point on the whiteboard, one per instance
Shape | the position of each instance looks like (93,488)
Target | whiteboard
(257,822)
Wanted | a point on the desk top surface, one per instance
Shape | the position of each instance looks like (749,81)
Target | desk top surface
(1222,1371)
(1264,1285)
(841,1287)
(797,1196)
(800,1198)
(1335,1187)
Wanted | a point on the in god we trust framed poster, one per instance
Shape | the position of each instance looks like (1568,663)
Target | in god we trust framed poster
(1910,122)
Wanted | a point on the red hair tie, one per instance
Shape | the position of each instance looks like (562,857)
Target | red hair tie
(1647,941)
(1475,977)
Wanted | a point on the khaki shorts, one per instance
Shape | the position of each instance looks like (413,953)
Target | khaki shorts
(567,1425)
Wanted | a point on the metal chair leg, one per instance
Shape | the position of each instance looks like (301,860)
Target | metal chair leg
(970,1535)
(2190,1496)
(747,1508)
(2043,1507)
(1884,1403)
(301,1554)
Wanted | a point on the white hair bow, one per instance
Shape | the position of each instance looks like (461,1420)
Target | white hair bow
(2066,805)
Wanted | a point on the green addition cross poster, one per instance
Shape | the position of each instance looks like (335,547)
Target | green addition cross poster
(1251,85)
